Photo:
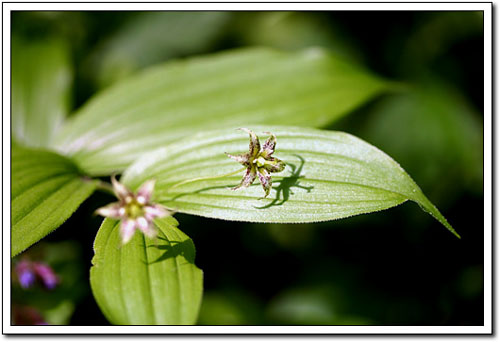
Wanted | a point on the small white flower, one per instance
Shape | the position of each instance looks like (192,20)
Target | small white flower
(134,210)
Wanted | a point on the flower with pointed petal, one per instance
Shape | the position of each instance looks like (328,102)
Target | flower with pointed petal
(136,211)
(259,162)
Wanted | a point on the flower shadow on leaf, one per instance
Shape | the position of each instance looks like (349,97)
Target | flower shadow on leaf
(173,249)
(283,189)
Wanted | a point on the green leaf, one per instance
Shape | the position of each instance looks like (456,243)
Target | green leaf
(152,37)
(146,281)
(329,175)
(249,86)
(41,79)
(46,189)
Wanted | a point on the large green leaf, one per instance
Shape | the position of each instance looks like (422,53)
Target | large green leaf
(146,281)
(330,175)
(309,88)
(41,78)
(46,189)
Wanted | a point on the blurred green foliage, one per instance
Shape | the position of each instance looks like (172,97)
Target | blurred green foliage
(292,31)
(435,134)
(40,91)
(393,267)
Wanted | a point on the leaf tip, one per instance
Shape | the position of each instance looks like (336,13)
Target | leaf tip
(445,223)
(456,234)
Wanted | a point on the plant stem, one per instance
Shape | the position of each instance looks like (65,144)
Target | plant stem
(105,187)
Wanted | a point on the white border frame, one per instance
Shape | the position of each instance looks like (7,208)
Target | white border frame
(486,329)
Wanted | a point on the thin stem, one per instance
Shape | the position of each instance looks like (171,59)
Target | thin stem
(105,187)
(204,178)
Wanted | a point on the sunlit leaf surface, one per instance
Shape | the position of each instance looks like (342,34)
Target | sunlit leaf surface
(41,79)
(329,175)
(146,281)
(46,189)
(167,102)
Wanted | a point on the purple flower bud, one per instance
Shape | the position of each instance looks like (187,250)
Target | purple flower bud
(28,271)
(25,274)
(47,275)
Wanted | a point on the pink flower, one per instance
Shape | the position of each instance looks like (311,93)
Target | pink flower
(134,210)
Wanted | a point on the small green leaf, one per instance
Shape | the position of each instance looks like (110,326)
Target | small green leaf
(46,189)
(146,281)
(170,101)
(41,78)
(329,175)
